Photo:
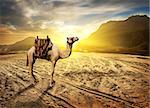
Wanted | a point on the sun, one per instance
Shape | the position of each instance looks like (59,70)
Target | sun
(81,32)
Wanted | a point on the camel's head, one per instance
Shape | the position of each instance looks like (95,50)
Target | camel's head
(71,40)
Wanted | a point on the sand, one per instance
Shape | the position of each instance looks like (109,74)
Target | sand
(84,80)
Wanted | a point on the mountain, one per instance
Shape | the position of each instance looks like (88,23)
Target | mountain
(22,45)
(127,36)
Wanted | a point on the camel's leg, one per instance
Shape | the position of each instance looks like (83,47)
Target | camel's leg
(53,69)
(31,63)
(27,62)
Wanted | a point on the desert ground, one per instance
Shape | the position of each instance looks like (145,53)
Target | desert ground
(84,80)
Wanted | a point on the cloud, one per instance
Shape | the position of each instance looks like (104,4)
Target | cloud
(12,27)
(4,30)
(33,13)
(78,15)
(11,13)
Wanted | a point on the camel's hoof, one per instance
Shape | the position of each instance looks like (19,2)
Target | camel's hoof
(52,84)
(36,81)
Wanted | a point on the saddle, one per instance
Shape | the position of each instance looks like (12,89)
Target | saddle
(42,46)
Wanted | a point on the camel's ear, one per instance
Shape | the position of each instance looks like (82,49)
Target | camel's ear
(47,37)
(77,38)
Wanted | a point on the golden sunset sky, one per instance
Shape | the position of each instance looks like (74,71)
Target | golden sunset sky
(59,19)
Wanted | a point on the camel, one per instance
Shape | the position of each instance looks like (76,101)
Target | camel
(53,56)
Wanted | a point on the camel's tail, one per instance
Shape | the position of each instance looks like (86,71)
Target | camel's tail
(27,62)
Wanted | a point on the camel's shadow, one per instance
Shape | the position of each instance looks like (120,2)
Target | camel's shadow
(32,86)
(38,103)
(29,104)
(25,89)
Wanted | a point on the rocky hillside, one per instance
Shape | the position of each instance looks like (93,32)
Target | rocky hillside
(128,36)
(22,45)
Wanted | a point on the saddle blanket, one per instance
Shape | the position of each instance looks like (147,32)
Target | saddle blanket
(42,46)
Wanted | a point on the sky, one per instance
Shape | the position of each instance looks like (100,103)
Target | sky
(59,19)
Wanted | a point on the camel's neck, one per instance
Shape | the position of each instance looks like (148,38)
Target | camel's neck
(66,53)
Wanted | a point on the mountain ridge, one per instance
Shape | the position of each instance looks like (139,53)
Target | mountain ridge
(125,36)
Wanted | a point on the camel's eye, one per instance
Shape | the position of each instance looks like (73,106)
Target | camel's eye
(72,39)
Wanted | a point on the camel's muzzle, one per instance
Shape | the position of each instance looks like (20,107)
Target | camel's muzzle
(77,38)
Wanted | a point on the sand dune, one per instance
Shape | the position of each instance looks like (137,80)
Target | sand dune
(84,80)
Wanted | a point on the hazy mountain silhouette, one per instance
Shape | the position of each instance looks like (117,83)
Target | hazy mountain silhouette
(128,36)
(22,45)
